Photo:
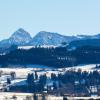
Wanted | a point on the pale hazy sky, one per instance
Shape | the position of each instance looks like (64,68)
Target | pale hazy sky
(68,17)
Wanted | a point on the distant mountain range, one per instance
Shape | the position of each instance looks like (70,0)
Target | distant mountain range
(23,38)
(49,38)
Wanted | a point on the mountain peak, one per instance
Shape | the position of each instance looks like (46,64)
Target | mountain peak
(43,32)
(20,32)
(21,29)
(46,32)
(49,38)
(19,37)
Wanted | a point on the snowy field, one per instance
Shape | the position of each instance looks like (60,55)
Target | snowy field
(29,96)
(23,72)
(26,96)
(21,75)
(20,72)
(90,67)
(19,96)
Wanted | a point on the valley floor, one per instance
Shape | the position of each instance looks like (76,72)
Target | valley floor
(68,90)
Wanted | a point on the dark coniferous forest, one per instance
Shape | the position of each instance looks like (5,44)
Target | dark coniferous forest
(55,57)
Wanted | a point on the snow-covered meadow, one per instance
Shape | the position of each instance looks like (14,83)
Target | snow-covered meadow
(89,67)
(21,73)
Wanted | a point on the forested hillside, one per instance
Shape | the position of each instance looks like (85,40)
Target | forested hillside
(55,57)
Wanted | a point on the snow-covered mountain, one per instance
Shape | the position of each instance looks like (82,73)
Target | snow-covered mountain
(20,37)
(50,38)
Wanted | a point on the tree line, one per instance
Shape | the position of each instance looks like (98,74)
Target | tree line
(55,57)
